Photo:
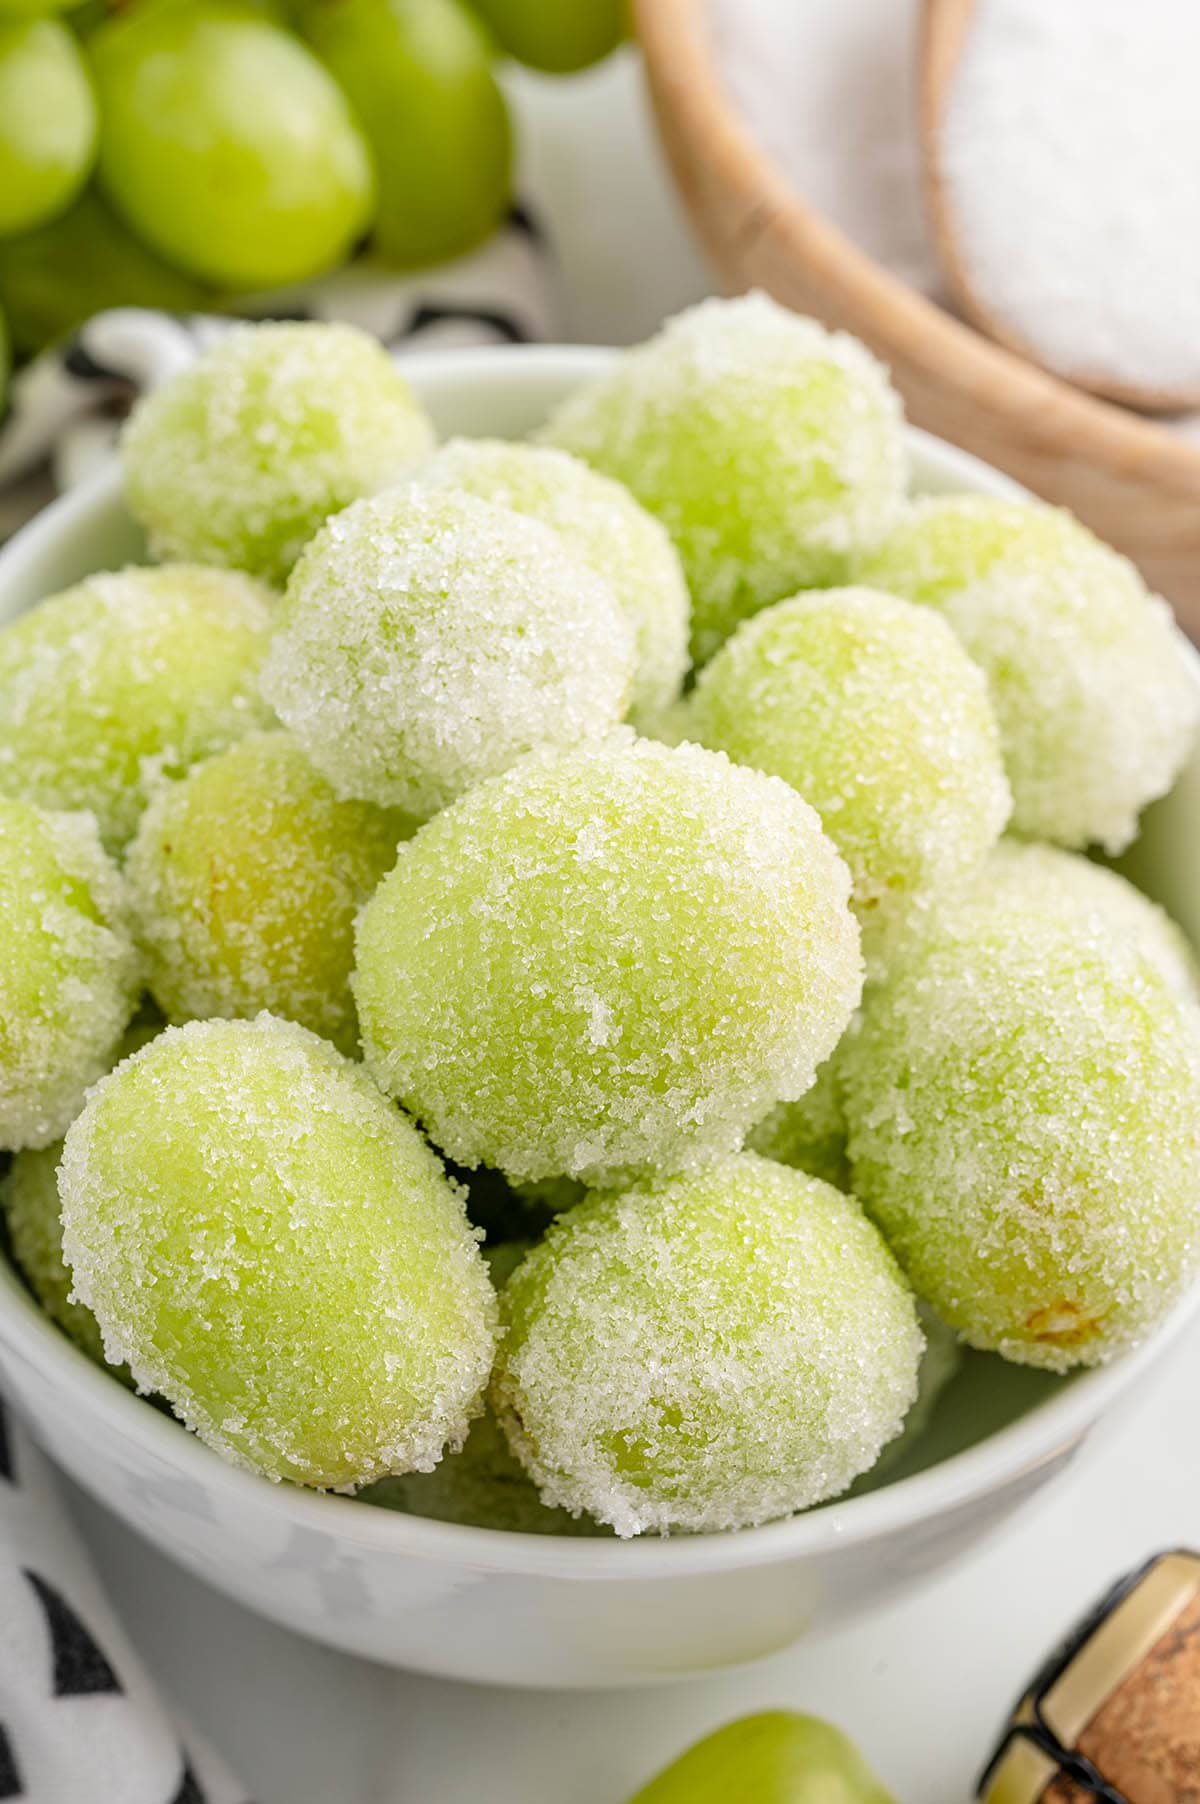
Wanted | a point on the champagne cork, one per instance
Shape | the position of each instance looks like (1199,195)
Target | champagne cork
(1114,1715)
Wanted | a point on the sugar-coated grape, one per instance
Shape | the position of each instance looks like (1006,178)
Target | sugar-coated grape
(1095,688)
(55,277)
(558,39)
(607,528)
(776,1757)
(47,122)
(274,1249)
(809,1134)
(239,459)
(1023,1099)
(429,639)
(130,677)
(246,878)
(69,975)
(768,447)
(1027,875)
(29,1207)
(611,960)
(706,1352)
(483,1485)
(419,77)
(226,145)
(872,710)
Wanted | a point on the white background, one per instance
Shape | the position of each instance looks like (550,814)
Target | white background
(923,1685)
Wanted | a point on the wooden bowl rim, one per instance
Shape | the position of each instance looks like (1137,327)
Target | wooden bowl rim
(687,86)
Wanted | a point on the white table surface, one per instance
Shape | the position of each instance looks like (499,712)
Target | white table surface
(921,1685)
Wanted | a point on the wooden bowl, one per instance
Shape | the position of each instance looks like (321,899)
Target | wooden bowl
(1133,481)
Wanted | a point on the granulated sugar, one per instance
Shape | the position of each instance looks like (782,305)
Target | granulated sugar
(1071,164)
(1068,151)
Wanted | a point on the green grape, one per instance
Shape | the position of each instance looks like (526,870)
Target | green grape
(5,360)
(226,146)
(47,122)
(778,1757)
(418,74)
(31,9)
(53,278)
(558,38)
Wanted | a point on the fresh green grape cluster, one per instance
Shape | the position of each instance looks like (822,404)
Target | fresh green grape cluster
(234,146)
(601,938)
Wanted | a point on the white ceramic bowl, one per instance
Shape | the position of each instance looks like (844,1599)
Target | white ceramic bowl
(531,1610)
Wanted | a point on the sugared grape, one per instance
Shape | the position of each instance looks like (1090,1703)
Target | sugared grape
(246,878)
(614,959)
(768,447)
(603,523)
(1023,1099)
(130,677)
(706,1352)
(226,145)
(419,77)
(1026,875)
(239,459)
(483,1484)
(47,122)
(872,710)
(55,277)
(777,1757)
(69,976)
(1095,689)
(274,1249)
(29,1206)
(809,1134)
(558,39)
(428,640)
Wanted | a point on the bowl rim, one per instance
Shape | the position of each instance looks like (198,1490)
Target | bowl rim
(1038,1438)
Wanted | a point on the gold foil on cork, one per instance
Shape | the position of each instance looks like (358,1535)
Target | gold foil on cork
(1124,1706)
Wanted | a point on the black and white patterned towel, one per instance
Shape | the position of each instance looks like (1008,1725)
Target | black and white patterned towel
(80,1720)
(66,406)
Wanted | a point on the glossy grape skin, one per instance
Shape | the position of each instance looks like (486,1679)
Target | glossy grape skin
(54,277)
(557,38)
(47,122)
(777,1757)
(418,75)
(30,9)
(226,146)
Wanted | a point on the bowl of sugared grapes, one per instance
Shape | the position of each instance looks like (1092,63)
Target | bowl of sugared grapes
(585,1081)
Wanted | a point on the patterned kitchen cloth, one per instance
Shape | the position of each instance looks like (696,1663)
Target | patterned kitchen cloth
(65,407)
(80,1719)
